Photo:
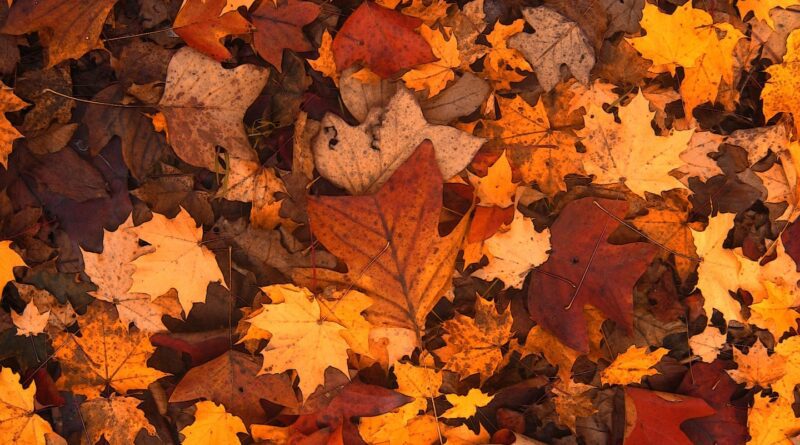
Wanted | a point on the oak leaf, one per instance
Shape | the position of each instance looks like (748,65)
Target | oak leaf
(177,261)
(279,26)
(466,406)
(106,354)
(115,419)
(212,424)
(298,329)
(8,103)
(630,152)
(573,277)
(19,422)
(632,365)
(557,41)
(382,39)
(392,247)
(30,322)
(202,24)
(67,29)
(204,104)
(361,159)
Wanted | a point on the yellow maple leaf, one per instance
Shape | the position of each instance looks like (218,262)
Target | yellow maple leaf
(573,400)
(718,273)
(325,63)
(676,39)
(772,422)
(775,312)
(178,261)
(212,424)
(434,76)
(761,8)
(105,354)
(31,322)
(19,423)
(632,365)
(346,307)
(779,93)
(8,103)
(112,271)
(502,62)
(708,343)
(116,419)
(630,152)
(757,367)
(417,381)
(466,406)
(403,426)
(496,188)
(9,259)
(298,330)
(473,344)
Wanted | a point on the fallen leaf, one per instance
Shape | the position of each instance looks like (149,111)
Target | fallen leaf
(18,418)
(279,26)
(204,105)
(556,42)
(466,406)
(115,419)
(213,424)
(632,365)
(30,322)
(202,24)
(8,103)
(651,415)
(756,368)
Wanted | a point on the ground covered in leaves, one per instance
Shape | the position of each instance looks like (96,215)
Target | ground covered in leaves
(399,222)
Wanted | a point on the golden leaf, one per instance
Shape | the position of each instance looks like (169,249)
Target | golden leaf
(19,423)
(466,406)
(8,103)
(212,424)
(632,365)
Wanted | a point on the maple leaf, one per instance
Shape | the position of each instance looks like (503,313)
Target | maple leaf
(325,63)
(9,259)
(556,42)
(202,24)
(204,104)
(775,312)
(392,247)
(105,354)
(212,424)
(708,343)
(501,63)
(113,270)
(466,406)
(361,159)
(473,344)
(658,416)
(231,380)
(382,39)
(514,252)
(61,315)
(279,26)
(115,419)
(497,187)
(538,151)
(68,29)
(761,8)
(777,93)
(719,270)
(757,367)
(31,322)
(8,103)
(434,76)
(429,13)
(772,421)
(298,330)
(632,365)
(572,277)
(18,419)
(177,261)
(646,166)
(417,381)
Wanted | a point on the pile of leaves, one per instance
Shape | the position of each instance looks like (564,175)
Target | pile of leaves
(399,221)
